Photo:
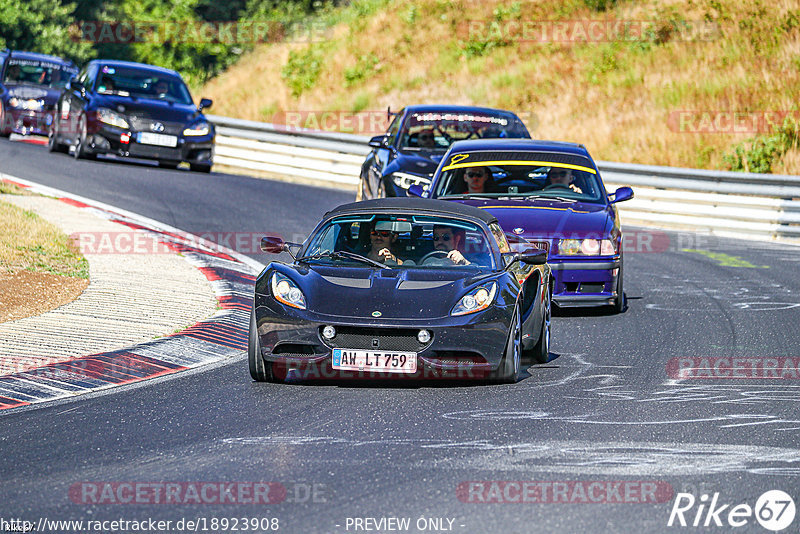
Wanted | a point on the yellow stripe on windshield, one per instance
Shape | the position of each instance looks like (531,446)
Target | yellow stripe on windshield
(517,162)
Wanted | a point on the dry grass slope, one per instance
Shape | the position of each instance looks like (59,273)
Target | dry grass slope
(623,98)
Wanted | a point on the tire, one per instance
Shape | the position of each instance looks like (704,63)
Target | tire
(541,351)
(52,141)
(80,146)
(619,301)
(509,368)
(4,132)
(260,370)
(200,167)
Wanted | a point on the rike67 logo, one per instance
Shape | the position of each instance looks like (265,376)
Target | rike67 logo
(774,510)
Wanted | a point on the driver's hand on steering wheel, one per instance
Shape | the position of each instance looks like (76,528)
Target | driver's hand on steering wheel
(576,189)
(457,258)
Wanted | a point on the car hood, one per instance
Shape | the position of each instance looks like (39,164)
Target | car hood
(395,293)
(549,219)
(146,108)
(35,92)
(423,163)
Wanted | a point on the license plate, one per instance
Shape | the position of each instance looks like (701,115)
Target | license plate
(370,360)
(147,138)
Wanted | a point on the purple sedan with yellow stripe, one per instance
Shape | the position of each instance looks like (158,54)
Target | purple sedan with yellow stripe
(549,194)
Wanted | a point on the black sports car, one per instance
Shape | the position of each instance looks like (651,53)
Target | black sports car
(400,287)
(133,109)
(30,85)
(417,139)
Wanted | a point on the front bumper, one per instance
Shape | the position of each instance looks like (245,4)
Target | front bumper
(585,281)
(27,122)
(106,139)
(465,347)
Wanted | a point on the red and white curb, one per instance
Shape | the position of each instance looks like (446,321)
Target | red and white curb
(219,337)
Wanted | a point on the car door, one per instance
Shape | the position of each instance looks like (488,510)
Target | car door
(76,99)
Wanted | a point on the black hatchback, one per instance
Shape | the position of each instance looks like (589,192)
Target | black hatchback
(133,110)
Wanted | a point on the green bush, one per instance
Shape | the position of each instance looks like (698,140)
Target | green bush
(365,66)
(302,69)
(760,153)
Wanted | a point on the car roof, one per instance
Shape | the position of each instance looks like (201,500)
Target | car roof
(21,54)
(450,108)
(134,65)
(413,204)
(521,145)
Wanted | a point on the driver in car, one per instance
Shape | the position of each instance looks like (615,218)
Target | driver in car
(450,241)
(562,177)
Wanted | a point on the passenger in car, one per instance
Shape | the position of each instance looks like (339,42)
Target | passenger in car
(382,239)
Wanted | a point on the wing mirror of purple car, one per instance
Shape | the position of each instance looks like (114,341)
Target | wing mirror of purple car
(416,191)
(623,193)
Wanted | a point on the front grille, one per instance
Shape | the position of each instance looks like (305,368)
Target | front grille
(399,339)
(144,124)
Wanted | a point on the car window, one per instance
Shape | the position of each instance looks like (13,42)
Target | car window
(394,127)
(438,130)
(499,238)
(138,83)
(421,242)
(37,72)
(507,176)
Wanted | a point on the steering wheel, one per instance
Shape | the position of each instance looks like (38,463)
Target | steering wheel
(432,254)
(556,186)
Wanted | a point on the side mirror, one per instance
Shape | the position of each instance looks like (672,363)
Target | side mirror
(205,103)
(379,141)
(621,194)
(75,85)
(534,256)
(273,245)
(415,191)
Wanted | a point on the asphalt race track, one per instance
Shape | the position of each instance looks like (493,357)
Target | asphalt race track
(608,423)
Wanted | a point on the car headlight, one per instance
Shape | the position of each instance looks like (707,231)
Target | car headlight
(112,118)
(476,300)
(30,104)
(406,180)
(285,291)
(201,128)
(587,247)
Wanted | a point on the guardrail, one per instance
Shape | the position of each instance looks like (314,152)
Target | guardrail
(718,202)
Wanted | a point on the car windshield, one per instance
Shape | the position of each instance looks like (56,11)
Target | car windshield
(502,177)
(437,131)
(35,72)
(401,241)
(139,83)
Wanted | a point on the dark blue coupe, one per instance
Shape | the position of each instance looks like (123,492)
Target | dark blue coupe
(411,149)
(400,288)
